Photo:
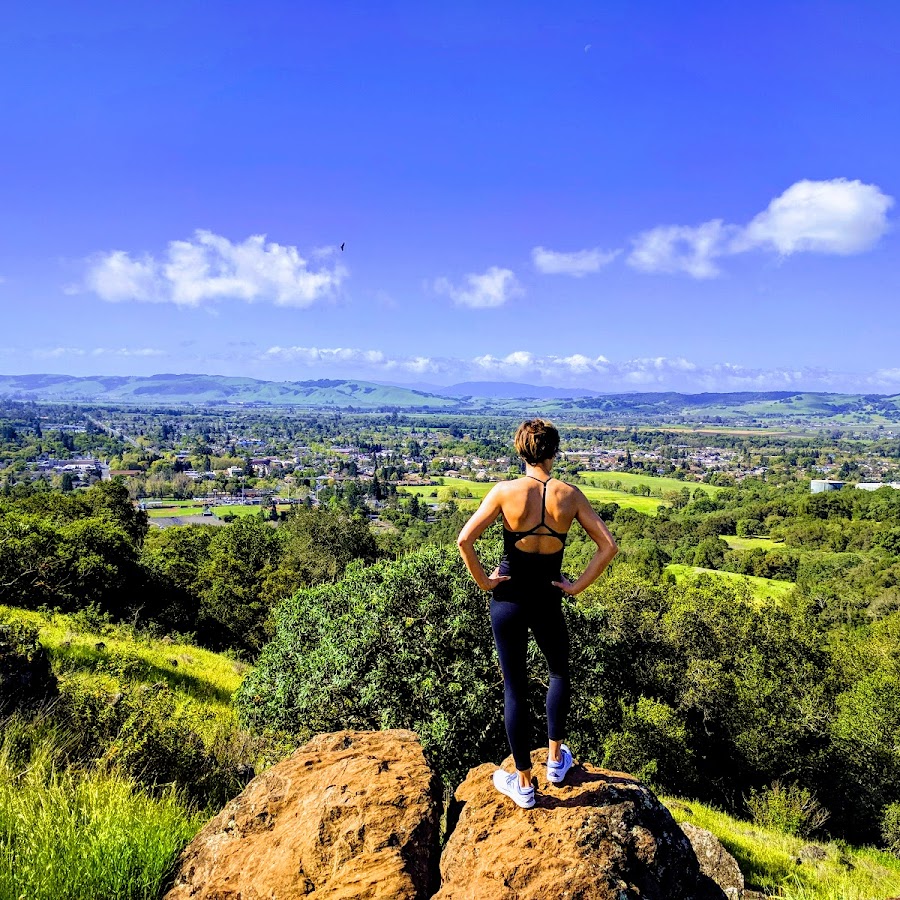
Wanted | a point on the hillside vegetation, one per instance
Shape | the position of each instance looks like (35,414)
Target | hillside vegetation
(783,710)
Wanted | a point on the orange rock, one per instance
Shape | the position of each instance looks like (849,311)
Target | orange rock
(599,836)
(352,814)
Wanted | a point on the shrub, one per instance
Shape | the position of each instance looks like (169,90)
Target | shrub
(792,809)
(890,827)
(652,744)
(142,731)
(26,678)
(402,644)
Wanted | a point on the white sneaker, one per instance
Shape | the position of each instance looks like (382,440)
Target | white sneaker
(508,783)
(556,771)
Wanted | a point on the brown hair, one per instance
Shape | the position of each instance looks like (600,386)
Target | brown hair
(536,440)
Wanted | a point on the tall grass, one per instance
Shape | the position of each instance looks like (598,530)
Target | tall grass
(80,834)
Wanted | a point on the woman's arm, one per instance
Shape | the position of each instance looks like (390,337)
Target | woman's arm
(486,513)
(606,548)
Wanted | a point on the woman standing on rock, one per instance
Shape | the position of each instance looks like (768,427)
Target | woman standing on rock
(526,592)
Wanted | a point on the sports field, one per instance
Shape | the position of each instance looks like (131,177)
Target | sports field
(178,508)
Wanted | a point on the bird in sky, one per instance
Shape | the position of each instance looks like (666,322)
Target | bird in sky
(342,246)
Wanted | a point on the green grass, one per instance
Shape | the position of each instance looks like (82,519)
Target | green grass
(81,835)
(470,493)
(647,505)
(175,508)
(750,543)
(240,510)
(768,860)
(762,589)
(201,678)
(657,484)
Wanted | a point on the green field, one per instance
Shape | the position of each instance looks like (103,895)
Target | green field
(469,493)
(175,508)
(761,588)
(657,484)
(768,859)
(749,543)
(239,510)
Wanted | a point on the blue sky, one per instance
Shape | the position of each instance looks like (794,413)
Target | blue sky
(620,196)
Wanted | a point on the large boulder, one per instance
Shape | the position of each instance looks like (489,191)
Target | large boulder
(350,815)
(715,861)
(599,836)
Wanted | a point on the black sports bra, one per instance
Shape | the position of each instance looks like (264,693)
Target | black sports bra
(516,536)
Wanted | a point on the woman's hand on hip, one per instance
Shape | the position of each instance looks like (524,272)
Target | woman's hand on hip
(494,579)
(566,586)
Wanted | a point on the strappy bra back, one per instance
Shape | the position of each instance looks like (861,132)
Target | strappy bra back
(516,536)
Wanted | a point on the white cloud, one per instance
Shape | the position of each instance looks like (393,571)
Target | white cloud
(577,263)
(520,363)
(680,248)
(209,268)
(596,372)
(59,352)
(116,276)
(838,216)
(128,351)
(493,288)
(350,357)
(886,377)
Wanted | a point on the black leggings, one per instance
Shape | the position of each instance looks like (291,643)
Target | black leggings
(510,622)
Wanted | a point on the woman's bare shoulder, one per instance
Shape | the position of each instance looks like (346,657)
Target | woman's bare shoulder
(570,490)
(571,494)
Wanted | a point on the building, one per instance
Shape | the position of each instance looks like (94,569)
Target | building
(821,486)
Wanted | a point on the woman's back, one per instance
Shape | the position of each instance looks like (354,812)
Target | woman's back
(537,514)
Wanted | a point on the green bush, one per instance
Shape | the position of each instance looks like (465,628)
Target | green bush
(651,743)
(890,827)
(26,678)
(141,731)
(792,809)
(399,644)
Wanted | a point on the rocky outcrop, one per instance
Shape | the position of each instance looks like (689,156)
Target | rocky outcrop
(599,836)
(715,861)
(349,815)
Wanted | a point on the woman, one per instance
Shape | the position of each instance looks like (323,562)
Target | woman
(527,589)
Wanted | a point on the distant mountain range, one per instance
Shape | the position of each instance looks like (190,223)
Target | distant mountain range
(749,407)
(217,389)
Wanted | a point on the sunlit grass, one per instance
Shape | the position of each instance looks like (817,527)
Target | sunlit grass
(201,678)
(750,543)
(657,483)
(763,589)
(769,860)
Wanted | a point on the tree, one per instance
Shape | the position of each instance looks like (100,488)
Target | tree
(317,545)
(234,604)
